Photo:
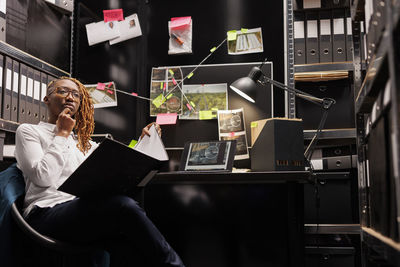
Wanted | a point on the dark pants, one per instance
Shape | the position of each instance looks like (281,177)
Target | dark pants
(116,223)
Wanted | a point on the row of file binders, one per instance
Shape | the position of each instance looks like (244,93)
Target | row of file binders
(323,36)
(22,90)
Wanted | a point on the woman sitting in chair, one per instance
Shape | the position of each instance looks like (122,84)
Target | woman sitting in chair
(48,153)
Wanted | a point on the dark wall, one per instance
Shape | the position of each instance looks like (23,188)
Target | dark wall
(129,63)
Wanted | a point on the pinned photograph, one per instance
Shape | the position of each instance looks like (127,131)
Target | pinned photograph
(245,41)
(103,94)
(231,126)
(205,100)
(101,31)
(128,28)
(165,91)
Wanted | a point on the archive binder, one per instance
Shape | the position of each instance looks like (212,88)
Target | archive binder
(15,91)
(112,168)
(299,41)
(349,37)
(1,80)
(43,91)
(312,38)
(7,89)
(36,96)
(22,94)
(325,37)
(29,96)
(339,48)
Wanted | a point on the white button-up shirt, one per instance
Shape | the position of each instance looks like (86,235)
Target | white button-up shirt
(46,161)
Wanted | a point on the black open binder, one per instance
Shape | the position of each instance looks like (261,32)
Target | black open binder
(113,168)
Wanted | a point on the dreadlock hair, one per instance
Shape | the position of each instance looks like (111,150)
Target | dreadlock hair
(84,125)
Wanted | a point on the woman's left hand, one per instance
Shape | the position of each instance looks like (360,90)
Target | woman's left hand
(146,130)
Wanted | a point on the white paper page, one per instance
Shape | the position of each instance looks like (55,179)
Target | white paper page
(128,28)
(102,31)
(152,145)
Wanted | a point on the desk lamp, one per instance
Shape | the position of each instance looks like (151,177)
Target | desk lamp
(246,87)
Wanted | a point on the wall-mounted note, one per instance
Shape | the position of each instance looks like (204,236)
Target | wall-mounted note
(166,118)
(113,15)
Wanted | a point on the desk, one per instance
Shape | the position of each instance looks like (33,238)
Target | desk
(230,219)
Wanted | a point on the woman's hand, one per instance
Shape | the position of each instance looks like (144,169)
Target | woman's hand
(65,123)
(146,129)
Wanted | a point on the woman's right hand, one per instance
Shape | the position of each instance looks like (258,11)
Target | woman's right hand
(65,123)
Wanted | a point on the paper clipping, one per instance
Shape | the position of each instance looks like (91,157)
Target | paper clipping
(152,145)
(205,101)
(245,41)
(231,126)
(102,94)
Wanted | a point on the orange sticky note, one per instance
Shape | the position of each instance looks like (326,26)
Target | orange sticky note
(166,118)
(134,94)
(113,15)
(180,22)
(109,91)
(100,86)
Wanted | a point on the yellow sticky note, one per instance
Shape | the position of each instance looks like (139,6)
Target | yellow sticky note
(243,30)
(215,109)
(254,124)
(190,75)
(170,71)
(159,100)
(161,85)
(193,105)
(213,49)
(169,96)
(232,35)
(205,115)
(133,143)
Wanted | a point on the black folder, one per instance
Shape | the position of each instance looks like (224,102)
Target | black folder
(339,47)
(312,38)
(22,93)
(349,37)
(299,41)
(1,79)
(113,168)
(43,91)
(15,91)
(36,96)
(29,96)
(325,37)
(7,79)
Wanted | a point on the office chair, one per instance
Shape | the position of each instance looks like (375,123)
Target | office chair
(65,249)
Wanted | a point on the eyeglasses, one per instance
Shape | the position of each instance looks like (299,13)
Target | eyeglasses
(65,91)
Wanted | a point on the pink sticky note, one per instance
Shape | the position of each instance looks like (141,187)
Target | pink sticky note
(166,118)
(134,94)
(165,86)
(189,106)
(110,92)
(100,86)
(231,134)
(113,15)
(180,22)
(109,85)
(173,81)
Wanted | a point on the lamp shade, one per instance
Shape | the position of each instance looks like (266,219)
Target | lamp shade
(246,87)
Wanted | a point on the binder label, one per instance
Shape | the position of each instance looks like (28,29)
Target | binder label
(338,26)
(36,92)
(8,83)
(325,26)
(1,75)
(44,87)
(23,85)
(15,82)
(30,87)
(312,29)
(298,29)
(348,24)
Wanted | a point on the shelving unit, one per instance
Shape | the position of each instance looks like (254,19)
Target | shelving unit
(377,128)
